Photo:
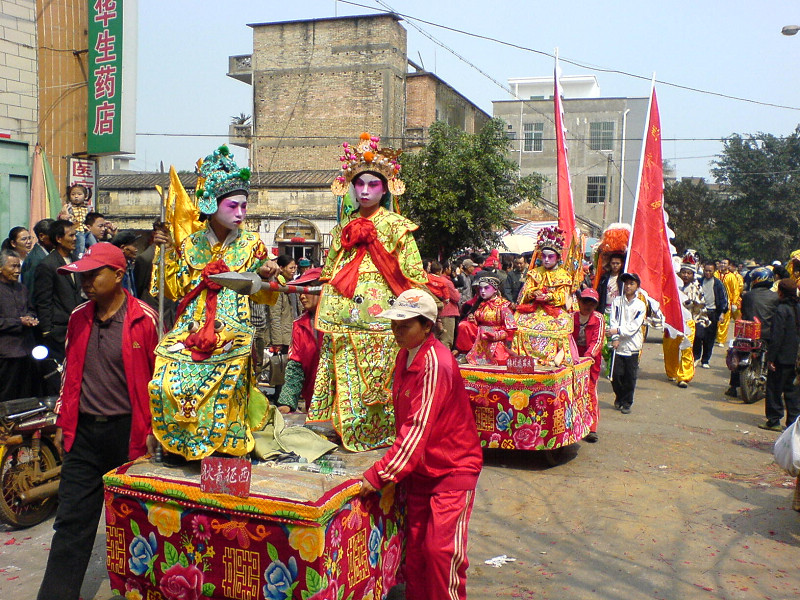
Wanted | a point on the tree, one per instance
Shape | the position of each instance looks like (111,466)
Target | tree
(762,211)
(693,211)
(460,188)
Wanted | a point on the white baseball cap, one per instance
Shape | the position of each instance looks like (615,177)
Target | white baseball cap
(411,303)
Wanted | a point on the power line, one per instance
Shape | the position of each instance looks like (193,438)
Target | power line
(578,63)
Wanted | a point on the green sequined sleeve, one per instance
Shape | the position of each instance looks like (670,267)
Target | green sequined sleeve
(294,378)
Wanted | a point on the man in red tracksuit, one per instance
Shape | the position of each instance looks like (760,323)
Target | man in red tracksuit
(590,336)
(103,409)
(436,453)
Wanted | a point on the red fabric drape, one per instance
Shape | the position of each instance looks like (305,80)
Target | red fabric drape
(361,234)
(551,310)
(204,340)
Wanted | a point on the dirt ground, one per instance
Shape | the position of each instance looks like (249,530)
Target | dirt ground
(679,499)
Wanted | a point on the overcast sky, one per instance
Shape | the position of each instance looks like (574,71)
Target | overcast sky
(731,47)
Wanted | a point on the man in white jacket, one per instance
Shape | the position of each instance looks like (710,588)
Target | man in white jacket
(628,312)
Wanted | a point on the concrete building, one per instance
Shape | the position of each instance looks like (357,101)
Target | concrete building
(604,140)
(316,83)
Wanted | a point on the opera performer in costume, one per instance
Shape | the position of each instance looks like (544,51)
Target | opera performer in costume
(200,395)
(373,258)
(491,325)
(734,286)
(544,325)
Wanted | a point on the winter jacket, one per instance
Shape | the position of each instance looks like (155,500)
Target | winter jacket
(760,302)
(139,340)
(782,348)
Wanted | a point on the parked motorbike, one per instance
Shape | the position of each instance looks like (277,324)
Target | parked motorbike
(30,465)
(747,357)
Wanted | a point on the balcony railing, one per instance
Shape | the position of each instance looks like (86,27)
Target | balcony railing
(241,67)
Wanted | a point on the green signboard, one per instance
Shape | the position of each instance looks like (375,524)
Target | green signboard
(112,73)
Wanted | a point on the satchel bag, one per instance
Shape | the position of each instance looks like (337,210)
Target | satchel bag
(787,449)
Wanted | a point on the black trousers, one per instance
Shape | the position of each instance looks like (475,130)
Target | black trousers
(626,370)
(704,340)
(98,448)
(780,390)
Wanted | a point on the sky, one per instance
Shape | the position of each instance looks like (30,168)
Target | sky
(185,100)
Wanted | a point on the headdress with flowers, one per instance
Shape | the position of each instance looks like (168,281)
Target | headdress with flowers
(551,238)
(366,156)
(219,175)
(690,260)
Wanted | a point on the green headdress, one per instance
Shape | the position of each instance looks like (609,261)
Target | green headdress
(218,176)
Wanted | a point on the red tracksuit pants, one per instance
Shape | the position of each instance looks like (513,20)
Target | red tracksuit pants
(436,545)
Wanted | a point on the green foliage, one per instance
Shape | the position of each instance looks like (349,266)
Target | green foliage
(694,212)
(755,213)
(762,208)
(460,188)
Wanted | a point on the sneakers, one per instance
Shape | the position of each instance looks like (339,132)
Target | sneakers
(705,366)
(617,405)
(683,384)
(625,410)
(671,379)
(732,392)
(721,345)
(591,438)
(771,426)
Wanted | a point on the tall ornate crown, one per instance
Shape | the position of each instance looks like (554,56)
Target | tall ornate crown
(551,238)
(367,157)
(690,260)
(218,175)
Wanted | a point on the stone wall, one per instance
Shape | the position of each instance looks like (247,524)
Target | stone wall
(321,82)
(19,107)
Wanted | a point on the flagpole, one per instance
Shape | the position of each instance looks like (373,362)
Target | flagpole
(162,263)
(641,169)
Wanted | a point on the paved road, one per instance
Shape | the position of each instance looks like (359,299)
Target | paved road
(680,499)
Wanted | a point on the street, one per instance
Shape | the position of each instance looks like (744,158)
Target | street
(679,499)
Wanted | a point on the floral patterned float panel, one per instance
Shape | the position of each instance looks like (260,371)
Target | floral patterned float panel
(530,411)
(298,535)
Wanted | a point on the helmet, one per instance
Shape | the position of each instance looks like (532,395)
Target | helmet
(760,277)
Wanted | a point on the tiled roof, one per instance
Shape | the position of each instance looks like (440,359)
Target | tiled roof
(274,179)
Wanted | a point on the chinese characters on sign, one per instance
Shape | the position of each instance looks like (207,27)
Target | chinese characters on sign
(83,171)
(225,476)
(112,40)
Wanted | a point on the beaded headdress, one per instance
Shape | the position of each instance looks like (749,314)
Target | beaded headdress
(219,175)
(366,156)
(690,261)
(551,238)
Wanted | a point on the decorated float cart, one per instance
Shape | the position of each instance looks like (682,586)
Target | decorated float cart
(524,407)
(528,389)
(262,533)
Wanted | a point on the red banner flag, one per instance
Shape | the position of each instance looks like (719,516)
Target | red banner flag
(566,210)
(650,252)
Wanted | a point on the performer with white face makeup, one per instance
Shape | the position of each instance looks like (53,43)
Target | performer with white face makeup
(495,325)
(545,326)
(201,396)
(373,258)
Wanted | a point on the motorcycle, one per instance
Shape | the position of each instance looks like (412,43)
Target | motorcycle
(30,464)
(747,357)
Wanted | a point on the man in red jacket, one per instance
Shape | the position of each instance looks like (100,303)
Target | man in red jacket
(103,409)
(589,334)
(436,454)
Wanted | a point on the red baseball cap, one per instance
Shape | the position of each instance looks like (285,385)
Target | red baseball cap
(590,293)
(308,277)
(101,254)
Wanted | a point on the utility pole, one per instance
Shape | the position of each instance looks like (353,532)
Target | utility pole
(607,190)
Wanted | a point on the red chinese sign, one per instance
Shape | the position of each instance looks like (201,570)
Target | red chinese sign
(225,476)
(83,171)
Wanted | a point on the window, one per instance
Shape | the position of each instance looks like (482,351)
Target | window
(596,189)
(601,135)
(533,134)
